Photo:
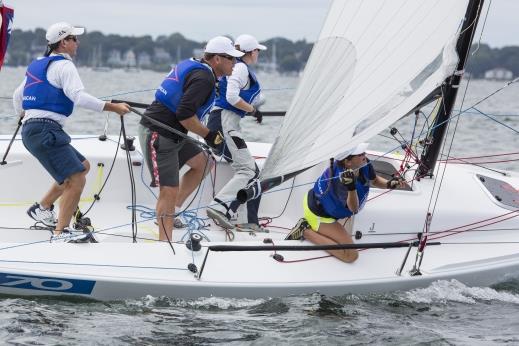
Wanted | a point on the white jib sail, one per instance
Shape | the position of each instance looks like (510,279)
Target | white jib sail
(374,61)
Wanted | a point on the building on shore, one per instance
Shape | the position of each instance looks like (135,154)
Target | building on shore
(499,73)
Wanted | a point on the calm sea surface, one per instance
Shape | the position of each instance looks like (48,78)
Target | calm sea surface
(446,313)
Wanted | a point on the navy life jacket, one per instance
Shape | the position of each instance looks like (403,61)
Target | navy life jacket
(248,95)
(171,90)
(38,93)
(332,198)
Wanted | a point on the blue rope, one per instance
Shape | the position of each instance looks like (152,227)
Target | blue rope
(497,121)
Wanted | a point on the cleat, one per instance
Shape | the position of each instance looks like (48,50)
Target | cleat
(219,218)
(45,216)
(297,232)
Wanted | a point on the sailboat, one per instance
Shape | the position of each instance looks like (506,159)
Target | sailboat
(374,63)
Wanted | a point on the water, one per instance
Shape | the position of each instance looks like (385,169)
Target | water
(444,313)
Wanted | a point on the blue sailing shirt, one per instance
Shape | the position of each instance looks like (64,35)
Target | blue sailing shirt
(38,93)
(248,95)
(330,195)
(171,90)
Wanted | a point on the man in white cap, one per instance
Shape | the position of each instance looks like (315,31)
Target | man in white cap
(240,95)
(45,99)
(340,192)
(181,101)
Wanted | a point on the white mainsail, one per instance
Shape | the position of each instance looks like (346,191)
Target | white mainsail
(375,60)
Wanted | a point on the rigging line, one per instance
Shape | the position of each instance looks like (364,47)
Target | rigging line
(477,164)
(433,233)
(126,93)
(92,265)
(483,28)
(473,22)
(433,190)
(480,223)
(497,121)
(286,203)
(493,93)
(107,176)
(132,181)
(450,146)
(481,156)
(482,242)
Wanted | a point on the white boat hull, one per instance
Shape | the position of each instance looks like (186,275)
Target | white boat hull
(117,268)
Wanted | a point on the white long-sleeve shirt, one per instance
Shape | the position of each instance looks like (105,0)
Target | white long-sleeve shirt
(239,80)
(61,74)
(236,82)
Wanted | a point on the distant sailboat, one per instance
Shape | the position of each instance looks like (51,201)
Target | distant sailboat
(96,60)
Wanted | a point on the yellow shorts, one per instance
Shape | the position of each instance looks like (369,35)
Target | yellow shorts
(314,220)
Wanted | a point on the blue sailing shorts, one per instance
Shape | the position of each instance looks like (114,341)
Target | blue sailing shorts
(46,140)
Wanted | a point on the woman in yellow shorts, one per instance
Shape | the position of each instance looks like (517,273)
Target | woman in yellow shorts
(340,192)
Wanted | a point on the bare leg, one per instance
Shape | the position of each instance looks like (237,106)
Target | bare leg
(56,190)
(333,233)
(165,210)
(52,195)
(71,193)
(72,189)
(193,177)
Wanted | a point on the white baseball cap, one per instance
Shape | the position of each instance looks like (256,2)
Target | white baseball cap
(222,45)
(248,43)
(359,149)
(58,31)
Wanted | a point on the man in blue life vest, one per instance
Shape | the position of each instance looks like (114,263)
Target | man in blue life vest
(340,192)
(45,99)
(182,100)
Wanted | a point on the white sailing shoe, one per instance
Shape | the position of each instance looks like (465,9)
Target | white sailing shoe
(45,216)
(66,236)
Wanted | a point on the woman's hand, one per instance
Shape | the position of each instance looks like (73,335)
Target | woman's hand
(347,178)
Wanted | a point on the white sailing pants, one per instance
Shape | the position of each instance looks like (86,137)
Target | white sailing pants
(243,164)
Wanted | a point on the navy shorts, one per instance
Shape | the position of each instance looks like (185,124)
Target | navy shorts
(46,140)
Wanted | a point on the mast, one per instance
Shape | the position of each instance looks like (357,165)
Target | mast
(450,91)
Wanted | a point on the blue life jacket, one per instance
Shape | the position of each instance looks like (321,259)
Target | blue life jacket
(247,95)
(171,90)
(40,94)
(332,197)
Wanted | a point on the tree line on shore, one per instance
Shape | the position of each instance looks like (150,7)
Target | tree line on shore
(283,55)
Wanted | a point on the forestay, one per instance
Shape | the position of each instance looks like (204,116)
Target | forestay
(373,63)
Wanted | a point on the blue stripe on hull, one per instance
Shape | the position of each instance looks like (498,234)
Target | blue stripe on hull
(42,283)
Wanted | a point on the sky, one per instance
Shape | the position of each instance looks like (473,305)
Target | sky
(200,20)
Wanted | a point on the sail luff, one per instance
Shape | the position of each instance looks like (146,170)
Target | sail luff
(450,92)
